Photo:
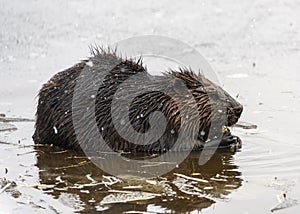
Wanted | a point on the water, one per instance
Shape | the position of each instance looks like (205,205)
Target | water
(252,46)
(55,180)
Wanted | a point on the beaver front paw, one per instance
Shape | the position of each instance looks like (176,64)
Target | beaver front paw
(230,141)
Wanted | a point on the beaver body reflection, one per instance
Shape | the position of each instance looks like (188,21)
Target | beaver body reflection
(54,122)
(74,176)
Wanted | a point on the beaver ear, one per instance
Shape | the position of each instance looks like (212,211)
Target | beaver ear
(179,86)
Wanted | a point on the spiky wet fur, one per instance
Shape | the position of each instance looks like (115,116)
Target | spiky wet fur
(54,123)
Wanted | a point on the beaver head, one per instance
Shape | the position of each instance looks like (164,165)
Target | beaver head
(213,102)
(208,95)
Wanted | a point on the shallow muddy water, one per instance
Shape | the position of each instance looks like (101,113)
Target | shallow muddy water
(254,48)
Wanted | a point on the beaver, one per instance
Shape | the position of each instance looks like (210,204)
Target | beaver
(55,122)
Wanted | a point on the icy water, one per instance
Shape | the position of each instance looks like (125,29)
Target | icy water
(254,48)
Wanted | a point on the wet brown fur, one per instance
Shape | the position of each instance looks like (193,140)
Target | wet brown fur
(54,124)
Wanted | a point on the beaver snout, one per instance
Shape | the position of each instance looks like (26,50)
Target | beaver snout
(238,111)
(233,114)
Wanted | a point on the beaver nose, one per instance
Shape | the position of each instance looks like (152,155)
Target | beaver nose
(238,110)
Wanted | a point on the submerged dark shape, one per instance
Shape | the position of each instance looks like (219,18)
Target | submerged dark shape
(54,122)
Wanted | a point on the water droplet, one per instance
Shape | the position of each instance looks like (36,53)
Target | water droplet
(90,63)
(55,130)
